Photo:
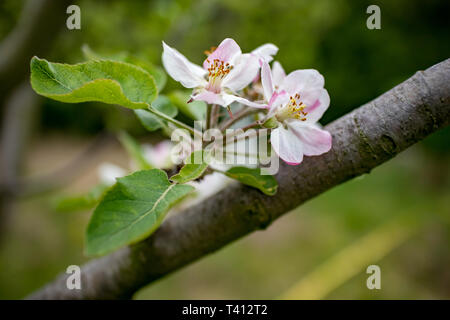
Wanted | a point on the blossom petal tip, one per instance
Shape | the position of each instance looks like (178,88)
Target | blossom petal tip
(292,163)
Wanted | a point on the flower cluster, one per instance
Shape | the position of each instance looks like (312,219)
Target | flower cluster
(290,105)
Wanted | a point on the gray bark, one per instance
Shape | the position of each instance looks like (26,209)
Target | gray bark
(362,140)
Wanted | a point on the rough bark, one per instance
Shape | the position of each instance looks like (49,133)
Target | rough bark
(362,140)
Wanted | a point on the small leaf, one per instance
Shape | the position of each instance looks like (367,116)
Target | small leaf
(131,210)
(152,122)
(111,82)
(135,151)
(196,110)
(195,166)
(253,177)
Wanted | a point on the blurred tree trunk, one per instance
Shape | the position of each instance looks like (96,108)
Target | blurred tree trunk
(38,26)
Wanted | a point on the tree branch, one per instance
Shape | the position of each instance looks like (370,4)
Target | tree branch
(362,140)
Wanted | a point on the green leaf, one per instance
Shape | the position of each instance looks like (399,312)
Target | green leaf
(152,122)
(195,166)
(253,177)
(111,82)
(134,150)
(131,210)
(71,203)
(158,73)
(196,110)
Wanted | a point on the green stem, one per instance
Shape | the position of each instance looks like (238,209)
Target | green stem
(214,115)
(175,122)
(208,116)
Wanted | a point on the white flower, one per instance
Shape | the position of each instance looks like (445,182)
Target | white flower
(225,71)
(296,102)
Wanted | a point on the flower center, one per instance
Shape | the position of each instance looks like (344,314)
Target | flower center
(216,72)
(292,110)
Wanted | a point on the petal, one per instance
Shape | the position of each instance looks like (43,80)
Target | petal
(225,52)
(278,99)
(287,145)
(301,80)
(317,102)
(230,98)
(315,141)
(266,51)
(181,69)
(278,73)
(266,81)
(210,97)
(244,70)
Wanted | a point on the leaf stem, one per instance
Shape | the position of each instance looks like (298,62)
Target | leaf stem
(175,122)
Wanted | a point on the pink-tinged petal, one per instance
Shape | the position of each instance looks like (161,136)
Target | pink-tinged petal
(300,80)
(317,102)
(266,51)
(266,80)
(225,52)
(229,99)
(278,73)
(244,70)
(315,141)
(277,99)
(181,69)
(287,145)
(210,97)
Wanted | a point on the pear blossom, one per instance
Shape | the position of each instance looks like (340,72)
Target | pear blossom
(224,72)
(296,102)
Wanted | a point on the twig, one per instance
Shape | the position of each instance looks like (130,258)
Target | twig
(244,112)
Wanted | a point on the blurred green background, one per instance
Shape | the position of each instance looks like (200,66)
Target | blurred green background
(400,208)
